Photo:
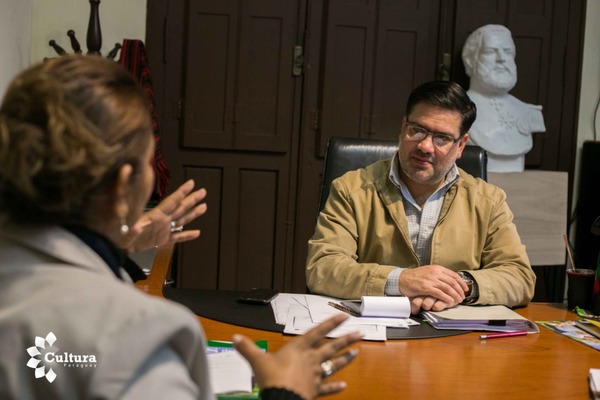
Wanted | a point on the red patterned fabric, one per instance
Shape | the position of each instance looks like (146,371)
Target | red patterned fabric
(133,57)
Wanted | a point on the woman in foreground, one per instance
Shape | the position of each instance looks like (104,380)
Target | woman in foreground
(76,171)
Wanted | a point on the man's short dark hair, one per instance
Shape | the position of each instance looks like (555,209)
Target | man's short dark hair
(448,95)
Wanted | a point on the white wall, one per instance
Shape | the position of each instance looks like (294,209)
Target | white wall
(51,19)
(15,28)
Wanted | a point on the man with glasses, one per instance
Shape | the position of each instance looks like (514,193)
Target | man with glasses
(419,226)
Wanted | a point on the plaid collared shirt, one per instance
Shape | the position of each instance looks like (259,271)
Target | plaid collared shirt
(421,220)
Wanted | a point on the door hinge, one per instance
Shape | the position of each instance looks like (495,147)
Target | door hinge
(315,119)
(298,62)
(179,108)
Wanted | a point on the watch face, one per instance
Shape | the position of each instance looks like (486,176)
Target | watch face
(468,280)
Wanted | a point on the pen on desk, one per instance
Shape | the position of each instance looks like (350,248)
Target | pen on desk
(502,334)
(344,309)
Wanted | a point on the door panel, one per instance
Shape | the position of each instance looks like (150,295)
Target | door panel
(406,56)
(263,105)
(209,81)
(244,227)
(347,69)
(240,96)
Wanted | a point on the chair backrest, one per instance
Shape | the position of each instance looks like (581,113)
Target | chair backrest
(347,154)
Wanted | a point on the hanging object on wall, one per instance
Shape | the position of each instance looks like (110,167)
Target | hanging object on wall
(93,38)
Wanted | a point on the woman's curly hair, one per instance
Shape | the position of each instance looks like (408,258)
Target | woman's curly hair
(66,127)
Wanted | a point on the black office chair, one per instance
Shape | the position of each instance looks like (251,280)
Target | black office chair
(347,154)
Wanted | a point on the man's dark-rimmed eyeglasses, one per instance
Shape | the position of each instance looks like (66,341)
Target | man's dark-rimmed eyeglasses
(417,133)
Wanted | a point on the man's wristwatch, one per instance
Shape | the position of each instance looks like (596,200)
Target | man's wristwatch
(472,294)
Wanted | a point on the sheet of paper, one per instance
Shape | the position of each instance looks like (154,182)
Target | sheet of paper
(229,372)
(300,321)
(478,313)
(320,310)
(281,305)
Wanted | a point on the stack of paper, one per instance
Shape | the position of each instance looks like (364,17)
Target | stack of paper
(480,318)
(301,312)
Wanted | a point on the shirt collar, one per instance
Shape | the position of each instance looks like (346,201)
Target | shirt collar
(451,176)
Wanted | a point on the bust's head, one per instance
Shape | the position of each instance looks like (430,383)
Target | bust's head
(489,58)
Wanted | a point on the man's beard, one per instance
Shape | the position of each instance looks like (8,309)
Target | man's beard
(500,78)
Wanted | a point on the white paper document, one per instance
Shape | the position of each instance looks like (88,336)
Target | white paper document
(594,379)
(300,322)
(300,313)
(225,364)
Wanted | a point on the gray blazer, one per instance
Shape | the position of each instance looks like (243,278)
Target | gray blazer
(111,340)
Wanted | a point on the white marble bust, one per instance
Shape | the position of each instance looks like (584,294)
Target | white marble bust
(504,123)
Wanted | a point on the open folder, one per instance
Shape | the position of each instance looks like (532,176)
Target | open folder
(480,318)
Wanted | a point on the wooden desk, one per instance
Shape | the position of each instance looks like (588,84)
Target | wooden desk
(544,366)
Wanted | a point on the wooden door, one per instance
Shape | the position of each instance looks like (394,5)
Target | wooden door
(230,85)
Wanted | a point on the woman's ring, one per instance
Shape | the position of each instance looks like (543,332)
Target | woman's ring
(175,228)
(327,368)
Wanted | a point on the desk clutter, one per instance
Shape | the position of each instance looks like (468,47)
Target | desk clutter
(586,332)
(373,315)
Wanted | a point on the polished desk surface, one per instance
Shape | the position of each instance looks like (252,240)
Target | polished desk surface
(540,366)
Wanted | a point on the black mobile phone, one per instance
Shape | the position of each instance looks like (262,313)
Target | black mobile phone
(258,296)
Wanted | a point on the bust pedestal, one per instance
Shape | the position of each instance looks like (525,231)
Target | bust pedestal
(538,200)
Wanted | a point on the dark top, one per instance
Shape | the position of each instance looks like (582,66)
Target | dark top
(114,257)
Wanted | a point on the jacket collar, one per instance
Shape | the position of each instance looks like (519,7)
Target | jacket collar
(56,242)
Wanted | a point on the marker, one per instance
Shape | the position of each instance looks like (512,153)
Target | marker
(502,334)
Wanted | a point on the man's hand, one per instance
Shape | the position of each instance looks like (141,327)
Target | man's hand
(427,303)
(435,281)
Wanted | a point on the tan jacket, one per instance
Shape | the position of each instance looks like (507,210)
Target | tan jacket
(144,347)
(362,234)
